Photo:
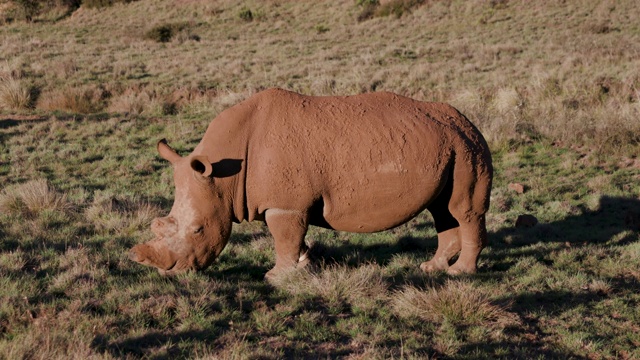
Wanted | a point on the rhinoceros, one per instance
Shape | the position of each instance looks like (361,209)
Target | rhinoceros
(362,163)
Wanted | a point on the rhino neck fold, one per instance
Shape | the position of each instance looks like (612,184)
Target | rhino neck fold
(239,198)
(229,172)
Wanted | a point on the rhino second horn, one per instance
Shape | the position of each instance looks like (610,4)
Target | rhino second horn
(166,152)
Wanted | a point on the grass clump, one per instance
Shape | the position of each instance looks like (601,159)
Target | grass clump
(84,100)
(32,198)
(14,95)
(457,302)
(554,114)
(143,102)
(120,214)
(337,284)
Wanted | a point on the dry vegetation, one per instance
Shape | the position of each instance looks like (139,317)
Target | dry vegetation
(568,71)
(87,88)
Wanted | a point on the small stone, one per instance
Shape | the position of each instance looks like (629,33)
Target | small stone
(517,187)
(526,221)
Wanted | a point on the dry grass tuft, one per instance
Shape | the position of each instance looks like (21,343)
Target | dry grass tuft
(32,198)
(137,103)
(13,94)
(338,283)
(84,100)
(129,103)
(116,214)
(456,302)
(507,100)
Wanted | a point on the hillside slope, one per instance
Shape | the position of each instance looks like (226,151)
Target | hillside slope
(567,70)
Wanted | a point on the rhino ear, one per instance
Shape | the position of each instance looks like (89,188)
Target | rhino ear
(167,152)
(202,165)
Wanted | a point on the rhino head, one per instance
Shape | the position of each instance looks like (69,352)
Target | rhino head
(199,224)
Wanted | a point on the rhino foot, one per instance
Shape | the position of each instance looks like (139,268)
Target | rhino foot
(458,269)
(434,265)
(274,274)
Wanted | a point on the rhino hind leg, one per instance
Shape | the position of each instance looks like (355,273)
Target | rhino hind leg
(459,216)
(288,228)
(468,204)
(473,236)
(447,226)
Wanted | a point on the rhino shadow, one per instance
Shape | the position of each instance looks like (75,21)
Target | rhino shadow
(614,222)
(547,305)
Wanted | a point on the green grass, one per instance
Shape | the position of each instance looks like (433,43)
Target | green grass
(552,86)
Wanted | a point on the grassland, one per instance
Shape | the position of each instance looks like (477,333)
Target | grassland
(84,96)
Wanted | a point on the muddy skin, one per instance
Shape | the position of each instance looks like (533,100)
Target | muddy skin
(361,163)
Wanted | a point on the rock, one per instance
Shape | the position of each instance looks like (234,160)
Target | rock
(517,187)
(526,221)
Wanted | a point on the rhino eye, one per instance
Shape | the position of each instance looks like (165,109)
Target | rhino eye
(198,230)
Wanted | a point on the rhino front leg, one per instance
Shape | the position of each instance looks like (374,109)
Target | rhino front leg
(288,228)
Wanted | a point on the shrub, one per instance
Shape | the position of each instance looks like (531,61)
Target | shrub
(245,14)
(368,9)
(165,32)
(367,2)
(28,8)
(161,33)
(103,3)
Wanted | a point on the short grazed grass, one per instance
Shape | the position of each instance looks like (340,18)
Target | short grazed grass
(80,182)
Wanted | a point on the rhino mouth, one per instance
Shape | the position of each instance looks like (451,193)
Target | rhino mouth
(170,270)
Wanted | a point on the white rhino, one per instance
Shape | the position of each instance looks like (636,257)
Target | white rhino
(362,163)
